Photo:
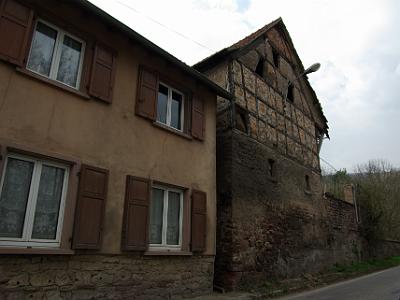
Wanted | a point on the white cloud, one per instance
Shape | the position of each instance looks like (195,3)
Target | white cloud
(397,70)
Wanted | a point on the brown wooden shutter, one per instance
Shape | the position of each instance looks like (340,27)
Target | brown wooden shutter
(199,221)
(89,214)
(15,26)
(2,159)
(198,119)
(146,102)
(103,73)
(136,214)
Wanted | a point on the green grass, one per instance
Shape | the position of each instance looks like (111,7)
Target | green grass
(274,288)
(367,266)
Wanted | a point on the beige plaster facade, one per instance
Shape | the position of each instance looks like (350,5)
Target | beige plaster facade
(49,119)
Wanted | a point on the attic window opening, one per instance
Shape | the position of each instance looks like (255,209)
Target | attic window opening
(307,182)
(271,167)
(260,67)
(241,119)
(275,58)
(290,93)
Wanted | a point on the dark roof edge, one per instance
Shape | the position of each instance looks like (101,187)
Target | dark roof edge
(145,42)
(314,94)
(215,58)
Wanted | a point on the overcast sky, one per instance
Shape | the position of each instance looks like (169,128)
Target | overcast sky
(356,41)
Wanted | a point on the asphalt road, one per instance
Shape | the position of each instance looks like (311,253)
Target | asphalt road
(383,285)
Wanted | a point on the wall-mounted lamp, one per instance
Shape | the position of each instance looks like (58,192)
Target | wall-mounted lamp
(313,68)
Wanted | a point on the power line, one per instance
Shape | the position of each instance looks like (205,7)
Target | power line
(328,163)
(164,26)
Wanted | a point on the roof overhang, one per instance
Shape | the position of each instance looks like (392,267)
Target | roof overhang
(153,47)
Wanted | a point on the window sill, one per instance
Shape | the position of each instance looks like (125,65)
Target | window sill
(167,128)
(53,83)
(16,250)
(168,253)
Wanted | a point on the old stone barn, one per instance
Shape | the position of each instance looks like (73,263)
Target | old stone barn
(272,217)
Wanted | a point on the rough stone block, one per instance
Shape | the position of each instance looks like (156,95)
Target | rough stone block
(12,295)
(18,280)
(262,110)
(302,136)
(262,90)
(281,142)
(53,295)
(274,136)
(310,127)
(291,147)
(298,152)
(299,117)
(240,98)
(278,103)
(272,119)
(296,134)
(253,126)
(308,157)
(252,103)
(42,279)
(249,80)
(289,128)
(315,162)
(271,132)
(63,278)
(262,131)
(237,73)
(288,110)
(280,124)
(102,278)
(271,74)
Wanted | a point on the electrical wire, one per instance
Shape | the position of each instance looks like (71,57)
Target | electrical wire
(328,163)
(164,26)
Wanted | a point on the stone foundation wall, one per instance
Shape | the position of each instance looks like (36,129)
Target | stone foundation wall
(385,249)
(274,226)
(104,277)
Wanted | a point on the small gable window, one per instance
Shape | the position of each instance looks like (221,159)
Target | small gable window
(271,167)
(290,93)
(275,58)
(260,67)
(307,182)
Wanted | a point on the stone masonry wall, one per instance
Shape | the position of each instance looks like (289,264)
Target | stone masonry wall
(286,126)
(273,220)
(385,249)
(104,277)
(274,226)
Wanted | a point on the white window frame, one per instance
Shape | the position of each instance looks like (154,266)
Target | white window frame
(26,240)
(164,246)
(169,104)
(55,62)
